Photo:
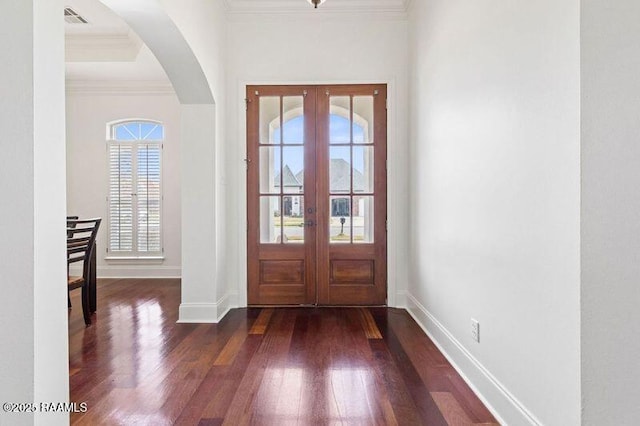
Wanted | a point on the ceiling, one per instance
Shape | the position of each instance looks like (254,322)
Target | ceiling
(105,49)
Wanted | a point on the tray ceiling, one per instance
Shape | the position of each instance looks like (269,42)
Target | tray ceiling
(105,48)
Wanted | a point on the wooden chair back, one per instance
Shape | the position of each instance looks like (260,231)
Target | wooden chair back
(72,225)
(81,236)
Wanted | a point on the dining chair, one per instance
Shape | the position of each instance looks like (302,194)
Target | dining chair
(73,225)
(81,236)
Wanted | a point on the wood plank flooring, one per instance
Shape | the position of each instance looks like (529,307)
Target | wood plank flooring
(276,366)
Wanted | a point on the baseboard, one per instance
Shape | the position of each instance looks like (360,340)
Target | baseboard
(134,271)
(502,403)
(204,312)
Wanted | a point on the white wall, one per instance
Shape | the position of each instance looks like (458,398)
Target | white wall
(203,25)
(34,366)
(610,212)
(200,298)
(89,109)
(308,49)
(495,198)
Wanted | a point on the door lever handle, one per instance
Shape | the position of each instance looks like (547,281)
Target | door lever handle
(308,223)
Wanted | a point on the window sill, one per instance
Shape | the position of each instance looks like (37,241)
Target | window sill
(134,259)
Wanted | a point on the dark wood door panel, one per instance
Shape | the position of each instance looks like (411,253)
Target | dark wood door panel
(280,249)
(282,272)
(348,272)
(316,222)
(351,267)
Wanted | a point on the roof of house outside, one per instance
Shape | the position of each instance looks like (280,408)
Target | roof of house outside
(339,173)
(288,179)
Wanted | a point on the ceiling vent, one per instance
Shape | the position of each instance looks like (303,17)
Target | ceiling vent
(72,17)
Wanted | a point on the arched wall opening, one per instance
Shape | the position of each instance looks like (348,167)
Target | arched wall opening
(199,299)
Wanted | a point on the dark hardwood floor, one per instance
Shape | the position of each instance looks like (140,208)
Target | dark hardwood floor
(309,366)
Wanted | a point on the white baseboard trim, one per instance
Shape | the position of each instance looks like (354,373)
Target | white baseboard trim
(502,403)
(134,271)
(204,312)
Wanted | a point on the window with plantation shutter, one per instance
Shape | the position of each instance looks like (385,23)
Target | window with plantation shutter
(135,189)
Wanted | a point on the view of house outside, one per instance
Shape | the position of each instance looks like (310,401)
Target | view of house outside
(347,162)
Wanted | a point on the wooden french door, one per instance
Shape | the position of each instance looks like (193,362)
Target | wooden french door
(316,195)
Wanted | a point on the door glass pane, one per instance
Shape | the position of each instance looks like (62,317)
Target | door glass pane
(269,169)
(363,119)
(363,219)
(293,219)
(270,220)
(293,117)
(339,119)
(293,169)
(269,119)
(340,220)
(363,168)
(340,169)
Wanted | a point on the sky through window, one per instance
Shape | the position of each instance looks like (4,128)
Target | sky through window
(339,133)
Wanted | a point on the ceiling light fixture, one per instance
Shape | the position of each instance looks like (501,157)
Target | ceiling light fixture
(316,3)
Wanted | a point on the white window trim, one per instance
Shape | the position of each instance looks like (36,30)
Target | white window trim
(134,256)
(134,259)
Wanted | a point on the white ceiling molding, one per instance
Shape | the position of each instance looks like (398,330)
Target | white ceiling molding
(301,8)
(92,47)
(119,87)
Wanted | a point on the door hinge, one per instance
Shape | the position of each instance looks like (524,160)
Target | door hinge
(246,103)
(386,103)
(386,225)
(246,163)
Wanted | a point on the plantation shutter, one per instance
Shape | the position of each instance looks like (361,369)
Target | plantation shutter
(120,197)
(149,197)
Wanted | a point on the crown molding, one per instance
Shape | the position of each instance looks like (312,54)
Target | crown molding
(362,9)
(319,16)
(102,47)
(119,87)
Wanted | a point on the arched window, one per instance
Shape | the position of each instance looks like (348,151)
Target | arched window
(135,188)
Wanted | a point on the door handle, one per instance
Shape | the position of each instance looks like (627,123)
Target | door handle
(308,223)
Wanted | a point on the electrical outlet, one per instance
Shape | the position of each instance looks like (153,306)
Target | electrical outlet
(475,330)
